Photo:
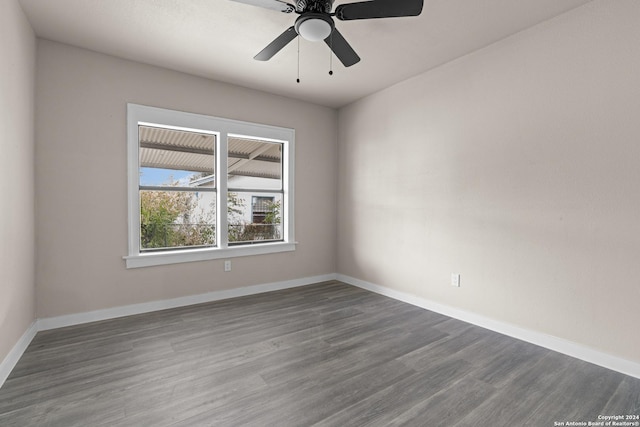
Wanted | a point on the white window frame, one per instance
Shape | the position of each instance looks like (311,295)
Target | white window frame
(141,114)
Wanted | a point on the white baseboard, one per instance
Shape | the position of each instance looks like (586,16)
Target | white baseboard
(16,352)
(147,307)
(553,343)
(560,345)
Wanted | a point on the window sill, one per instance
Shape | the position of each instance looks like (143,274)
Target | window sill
(192,255)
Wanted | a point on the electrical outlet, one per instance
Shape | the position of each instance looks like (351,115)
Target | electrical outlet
(227,266)
(455,280)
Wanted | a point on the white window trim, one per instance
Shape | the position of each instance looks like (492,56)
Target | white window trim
(137,114)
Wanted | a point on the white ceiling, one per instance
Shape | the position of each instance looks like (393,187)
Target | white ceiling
(217,39)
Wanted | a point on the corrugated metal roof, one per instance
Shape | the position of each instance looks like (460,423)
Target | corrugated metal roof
(247,146)
(251,157)
(193,151)
(151,158)
(177,138)
(259,169)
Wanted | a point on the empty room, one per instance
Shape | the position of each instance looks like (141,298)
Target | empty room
(430,215)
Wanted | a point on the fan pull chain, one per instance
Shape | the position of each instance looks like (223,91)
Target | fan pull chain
(298,79)
(331,54)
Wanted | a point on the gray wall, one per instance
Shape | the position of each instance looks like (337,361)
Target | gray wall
(516,166)
(17,70)
(81,191)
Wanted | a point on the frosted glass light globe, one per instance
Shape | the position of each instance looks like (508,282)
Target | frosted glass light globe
(314,29)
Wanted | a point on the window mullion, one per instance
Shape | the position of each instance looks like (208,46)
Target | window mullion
(173,188)
(133,177)
(221,184)
(254,190)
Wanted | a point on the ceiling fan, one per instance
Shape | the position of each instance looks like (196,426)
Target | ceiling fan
(315,22)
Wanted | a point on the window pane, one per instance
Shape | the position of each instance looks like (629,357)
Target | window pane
(170,157)
(254,217)
(254,164)
(174,219)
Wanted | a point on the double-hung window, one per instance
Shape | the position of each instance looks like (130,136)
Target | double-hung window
(202,187)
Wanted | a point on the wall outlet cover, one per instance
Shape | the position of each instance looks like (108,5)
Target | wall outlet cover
(455,280)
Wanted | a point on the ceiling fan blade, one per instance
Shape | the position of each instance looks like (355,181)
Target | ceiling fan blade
(342,49)
(276,46)
(278,5)
(378,9)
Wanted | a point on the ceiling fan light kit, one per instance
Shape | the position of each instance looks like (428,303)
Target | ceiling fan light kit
(315,22)
(314,26)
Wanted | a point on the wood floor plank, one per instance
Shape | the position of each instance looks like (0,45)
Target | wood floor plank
(390,402)
(514,403)
(511,361)
(309,401)
(581,394)
(625,398)
(447,406)
(327,354)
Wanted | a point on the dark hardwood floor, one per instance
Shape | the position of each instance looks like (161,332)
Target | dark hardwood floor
(327,355)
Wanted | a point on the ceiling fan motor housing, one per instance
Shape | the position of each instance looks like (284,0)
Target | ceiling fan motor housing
(316,6)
